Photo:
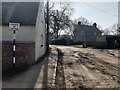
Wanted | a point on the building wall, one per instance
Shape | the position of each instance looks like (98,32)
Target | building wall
(92,34)
(25,47)
(86,33)
(40,40)
(30,43)
(24,34)
(25,55)
(79,36)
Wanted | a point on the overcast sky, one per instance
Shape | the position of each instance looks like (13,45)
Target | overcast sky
(103,13)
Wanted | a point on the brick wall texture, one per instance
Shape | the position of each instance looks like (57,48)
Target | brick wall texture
(25,54)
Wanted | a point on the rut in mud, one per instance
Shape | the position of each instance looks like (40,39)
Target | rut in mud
(78,69)
(60,79)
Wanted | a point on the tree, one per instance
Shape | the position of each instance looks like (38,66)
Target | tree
(83,21)
(59,17)
(118,30)
(113,30)
(106,31)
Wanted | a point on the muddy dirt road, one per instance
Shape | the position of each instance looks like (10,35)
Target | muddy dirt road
(90,68)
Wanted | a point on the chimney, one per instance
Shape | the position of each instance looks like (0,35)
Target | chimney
(79,23)
(94,25)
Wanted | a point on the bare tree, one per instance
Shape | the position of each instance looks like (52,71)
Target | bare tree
(106,31)
(83,21)
(113,30)
(118,30)
(59,17)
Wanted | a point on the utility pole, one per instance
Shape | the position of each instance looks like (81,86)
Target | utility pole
(47,26)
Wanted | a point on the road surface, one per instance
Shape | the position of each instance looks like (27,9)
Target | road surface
(70,67)
(90,68)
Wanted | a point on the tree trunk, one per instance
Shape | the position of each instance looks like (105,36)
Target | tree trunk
(57,35)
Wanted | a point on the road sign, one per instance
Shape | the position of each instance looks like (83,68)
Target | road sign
(14,26)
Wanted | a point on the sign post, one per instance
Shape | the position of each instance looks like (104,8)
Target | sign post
(14,27)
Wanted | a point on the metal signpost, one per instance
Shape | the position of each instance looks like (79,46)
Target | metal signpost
(14,27)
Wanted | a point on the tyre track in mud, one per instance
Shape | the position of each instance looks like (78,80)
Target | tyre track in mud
(60,78)
(88,71)
(105,68)
(93,79)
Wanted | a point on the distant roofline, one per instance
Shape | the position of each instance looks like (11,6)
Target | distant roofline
(87,26)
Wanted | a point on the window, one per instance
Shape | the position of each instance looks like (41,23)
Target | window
(41,40)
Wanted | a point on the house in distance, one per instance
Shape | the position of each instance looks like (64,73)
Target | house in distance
(85,34)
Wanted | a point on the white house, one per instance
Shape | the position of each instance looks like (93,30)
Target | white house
(30,38)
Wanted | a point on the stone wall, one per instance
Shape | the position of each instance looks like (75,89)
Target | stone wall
(25,54)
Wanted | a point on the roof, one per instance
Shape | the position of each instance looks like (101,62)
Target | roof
(87,28)
(24,13)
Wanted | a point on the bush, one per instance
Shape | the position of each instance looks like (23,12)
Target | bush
(63,40)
